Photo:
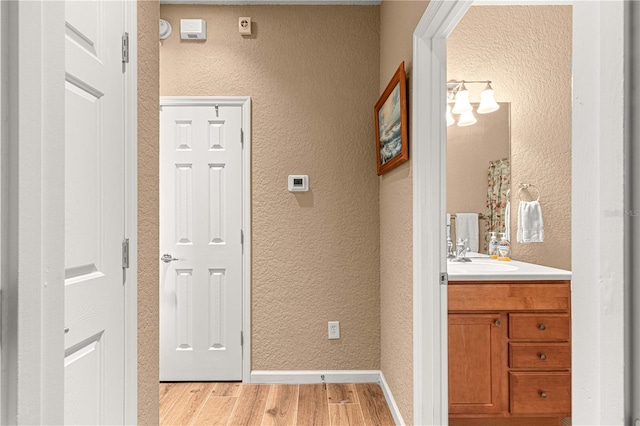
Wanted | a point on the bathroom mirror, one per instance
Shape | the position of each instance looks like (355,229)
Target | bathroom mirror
(470,152)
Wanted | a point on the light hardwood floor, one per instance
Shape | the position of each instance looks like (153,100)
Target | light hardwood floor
(230,404)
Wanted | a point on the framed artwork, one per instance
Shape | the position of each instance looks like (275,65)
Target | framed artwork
(392,144)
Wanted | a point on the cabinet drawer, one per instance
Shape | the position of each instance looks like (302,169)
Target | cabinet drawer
(539,326)
(540,393)
(543,356)
(496,296)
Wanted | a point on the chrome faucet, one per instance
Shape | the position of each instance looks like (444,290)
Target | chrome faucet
(450,252)
(461,251)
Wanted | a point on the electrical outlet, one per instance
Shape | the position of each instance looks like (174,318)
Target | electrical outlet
(334,330)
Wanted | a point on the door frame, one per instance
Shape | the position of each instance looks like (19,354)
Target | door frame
(599,247)
(33,368)
(131,217)
(244,102)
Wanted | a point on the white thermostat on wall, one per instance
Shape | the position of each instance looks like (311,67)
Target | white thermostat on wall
(298,183)
(193,29)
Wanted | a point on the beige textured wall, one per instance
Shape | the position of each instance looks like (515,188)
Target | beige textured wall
(526,52)
(312,74)
(398,19)
(148,137)
(469,151)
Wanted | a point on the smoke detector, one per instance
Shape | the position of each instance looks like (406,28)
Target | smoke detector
(165,29)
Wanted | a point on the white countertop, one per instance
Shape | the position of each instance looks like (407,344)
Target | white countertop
(483,268)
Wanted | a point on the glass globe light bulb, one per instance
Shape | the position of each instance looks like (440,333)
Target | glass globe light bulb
(462,101)
(450,119)
(467,119)
(487,101)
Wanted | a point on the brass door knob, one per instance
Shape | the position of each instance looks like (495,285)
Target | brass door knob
(543,357)
(542,327)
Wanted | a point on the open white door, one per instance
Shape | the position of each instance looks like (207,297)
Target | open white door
(201,241)
(94,213)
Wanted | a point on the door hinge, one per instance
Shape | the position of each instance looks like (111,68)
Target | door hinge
(125,253)
(242,137)
(241,237)
(125,48)
(241,338)
(444,278)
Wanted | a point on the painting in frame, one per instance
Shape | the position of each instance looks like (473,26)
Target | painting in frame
(392,145)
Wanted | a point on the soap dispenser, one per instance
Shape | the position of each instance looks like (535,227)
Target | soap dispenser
(493,246)
(504,248)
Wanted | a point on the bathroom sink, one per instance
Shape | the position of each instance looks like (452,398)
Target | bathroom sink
(479,267)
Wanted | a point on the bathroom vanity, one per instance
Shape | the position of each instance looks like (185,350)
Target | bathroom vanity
(509,343)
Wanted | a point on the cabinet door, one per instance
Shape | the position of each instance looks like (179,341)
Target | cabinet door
(477,361)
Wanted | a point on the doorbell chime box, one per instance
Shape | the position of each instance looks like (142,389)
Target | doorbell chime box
(298,183)
(193,29)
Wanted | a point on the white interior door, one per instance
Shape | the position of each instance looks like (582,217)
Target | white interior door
(200,229)
(94,213)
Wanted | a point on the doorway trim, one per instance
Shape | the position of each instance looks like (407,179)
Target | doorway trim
(131,217)
(598,242)
(33,374)
(245,103)
(33,370)
(430,385)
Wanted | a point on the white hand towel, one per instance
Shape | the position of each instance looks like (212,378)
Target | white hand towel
(467,228)
(530,223)
(507,220)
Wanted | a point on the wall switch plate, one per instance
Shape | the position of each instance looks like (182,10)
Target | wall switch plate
(334,330)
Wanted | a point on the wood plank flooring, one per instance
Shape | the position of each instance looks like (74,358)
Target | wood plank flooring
(232,404)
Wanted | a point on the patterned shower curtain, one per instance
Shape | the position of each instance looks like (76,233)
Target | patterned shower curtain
(497,187)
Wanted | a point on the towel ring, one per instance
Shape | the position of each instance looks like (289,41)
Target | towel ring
(528,186)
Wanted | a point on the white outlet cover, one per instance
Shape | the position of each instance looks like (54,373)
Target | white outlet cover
(334,330)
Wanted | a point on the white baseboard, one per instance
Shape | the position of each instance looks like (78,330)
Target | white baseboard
(302,377)
(395,411)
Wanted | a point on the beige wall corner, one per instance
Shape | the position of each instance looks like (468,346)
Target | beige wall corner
(148,214)
(312,73)
(526,52)
(398,19)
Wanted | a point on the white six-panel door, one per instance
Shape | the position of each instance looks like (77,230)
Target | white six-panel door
(200,234)
(94,213)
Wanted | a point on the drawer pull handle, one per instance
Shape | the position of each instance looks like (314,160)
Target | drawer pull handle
(542,327)
(497,323)
(543,394)
(543,357)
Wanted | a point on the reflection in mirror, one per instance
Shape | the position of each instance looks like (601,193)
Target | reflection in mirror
(478,172)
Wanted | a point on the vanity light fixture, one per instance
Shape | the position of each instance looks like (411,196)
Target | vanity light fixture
(450,119)
(487,100)
(467,119)
(457,92)
(462,100)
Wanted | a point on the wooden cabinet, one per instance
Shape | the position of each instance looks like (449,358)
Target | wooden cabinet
(476,355)
(509,350)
